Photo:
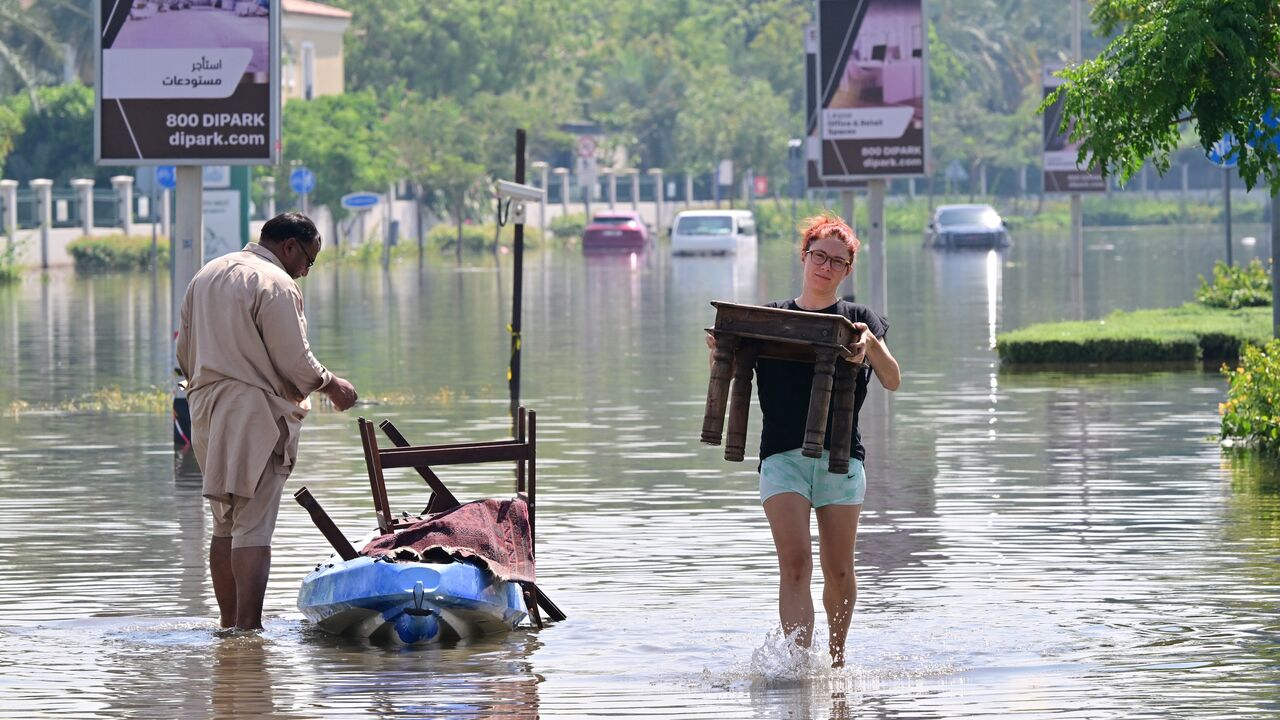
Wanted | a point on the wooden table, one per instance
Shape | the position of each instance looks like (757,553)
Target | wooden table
(745,333)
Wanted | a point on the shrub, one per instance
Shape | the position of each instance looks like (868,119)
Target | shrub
(479,238)
(117,252)
(1235,286)
(1252,411)
(9,269)
(568,227)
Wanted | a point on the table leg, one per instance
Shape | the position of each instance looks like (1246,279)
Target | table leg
(744,364)
(718,388)
(815,428)
(842,423)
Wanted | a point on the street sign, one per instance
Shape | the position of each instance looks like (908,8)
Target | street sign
(724,174)
(586,146)
(359,200)
(1224,152)
(762,185)
(302,180)
(167,176)
(956,172)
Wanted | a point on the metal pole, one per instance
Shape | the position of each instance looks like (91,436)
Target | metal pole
(1077,206)
(1275,266)
(879,299)
(847,197)
(517,288)
(187,245)
(1226,207)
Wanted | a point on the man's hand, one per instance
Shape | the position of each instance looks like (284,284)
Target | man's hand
(341,393)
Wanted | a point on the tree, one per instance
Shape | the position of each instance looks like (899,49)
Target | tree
(56,136)
(1211,62)
(35,38)
(341,138)
(435,150)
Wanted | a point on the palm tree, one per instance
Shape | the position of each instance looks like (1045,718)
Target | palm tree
(34,36)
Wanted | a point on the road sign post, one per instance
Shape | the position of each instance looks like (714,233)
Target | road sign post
(303,182)
(1224,154)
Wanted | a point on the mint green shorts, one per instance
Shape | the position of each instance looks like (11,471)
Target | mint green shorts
(792,472)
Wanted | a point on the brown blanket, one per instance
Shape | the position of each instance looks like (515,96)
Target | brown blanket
(492,533)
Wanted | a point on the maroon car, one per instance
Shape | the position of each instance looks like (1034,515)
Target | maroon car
(621,230)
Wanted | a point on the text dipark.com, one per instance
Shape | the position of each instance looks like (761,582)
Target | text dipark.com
(186,140)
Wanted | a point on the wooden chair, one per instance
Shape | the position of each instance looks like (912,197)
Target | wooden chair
(522,450)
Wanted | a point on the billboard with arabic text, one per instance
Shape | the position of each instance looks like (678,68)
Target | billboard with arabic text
(183,83)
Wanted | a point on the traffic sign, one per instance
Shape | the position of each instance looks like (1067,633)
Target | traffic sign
(1224,152)
(302,180)
(167,176)
(359,200)
(586,146)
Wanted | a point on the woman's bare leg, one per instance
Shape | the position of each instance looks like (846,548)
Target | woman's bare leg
(788,515)
(837,533)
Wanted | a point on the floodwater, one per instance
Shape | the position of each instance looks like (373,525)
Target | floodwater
(1065,544)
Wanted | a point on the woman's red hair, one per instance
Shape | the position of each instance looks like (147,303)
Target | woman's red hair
(828,225)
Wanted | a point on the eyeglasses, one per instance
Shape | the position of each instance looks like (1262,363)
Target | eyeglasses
(837,264)
(310,259)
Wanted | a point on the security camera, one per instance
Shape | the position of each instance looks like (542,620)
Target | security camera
(516,191)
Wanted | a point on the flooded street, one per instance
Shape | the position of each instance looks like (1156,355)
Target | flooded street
(1066,543)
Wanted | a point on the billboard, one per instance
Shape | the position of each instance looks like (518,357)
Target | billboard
(187,83)
(872,60)
(1061,173)
(813,179)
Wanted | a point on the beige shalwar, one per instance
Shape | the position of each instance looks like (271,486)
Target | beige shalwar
(242,344)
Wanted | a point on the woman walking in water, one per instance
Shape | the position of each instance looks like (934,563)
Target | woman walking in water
(791,484)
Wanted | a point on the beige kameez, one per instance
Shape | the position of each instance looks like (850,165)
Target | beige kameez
(242,344)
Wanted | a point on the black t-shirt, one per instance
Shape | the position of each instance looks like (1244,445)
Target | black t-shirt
(784,387)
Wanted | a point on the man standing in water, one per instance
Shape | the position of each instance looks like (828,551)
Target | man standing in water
(242,344)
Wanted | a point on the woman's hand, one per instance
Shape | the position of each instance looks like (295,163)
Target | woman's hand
(859,346)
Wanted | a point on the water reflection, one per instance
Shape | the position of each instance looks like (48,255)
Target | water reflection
(712,277)
(1032,542)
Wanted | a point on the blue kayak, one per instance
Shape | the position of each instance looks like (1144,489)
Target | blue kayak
(409,602)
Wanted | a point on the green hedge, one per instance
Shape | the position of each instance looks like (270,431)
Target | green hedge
(1184,334)
(117,252)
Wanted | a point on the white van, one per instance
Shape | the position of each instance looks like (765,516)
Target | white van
(713,231)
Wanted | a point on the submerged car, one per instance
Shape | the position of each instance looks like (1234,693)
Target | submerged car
(715,232)
(620,230)
(961,226)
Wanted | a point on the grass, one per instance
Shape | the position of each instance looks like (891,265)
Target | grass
(159,401)
(1187,334)
(107,253)
(10,270)
(111,400)
(910,216)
